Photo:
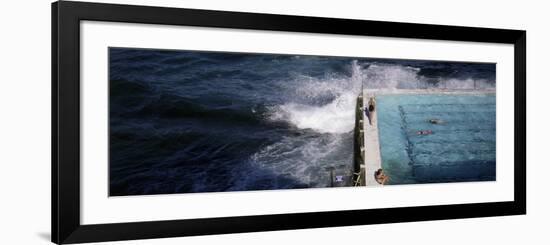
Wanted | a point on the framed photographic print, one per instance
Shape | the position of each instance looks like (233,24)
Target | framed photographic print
(176,122)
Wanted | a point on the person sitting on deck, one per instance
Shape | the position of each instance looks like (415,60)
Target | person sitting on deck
(371,104)
(381,177)
(424,132)
(370,109)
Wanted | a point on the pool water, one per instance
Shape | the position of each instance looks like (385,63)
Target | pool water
(459,144)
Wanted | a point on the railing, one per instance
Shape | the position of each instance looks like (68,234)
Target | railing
(359,144)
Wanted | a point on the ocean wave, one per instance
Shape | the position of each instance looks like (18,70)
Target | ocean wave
(336,116)
(391,76)
(306,158)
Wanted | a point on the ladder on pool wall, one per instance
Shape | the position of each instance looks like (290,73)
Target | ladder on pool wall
(367,157)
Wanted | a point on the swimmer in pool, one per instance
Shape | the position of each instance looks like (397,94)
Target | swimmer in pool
(436,121)
(424,132)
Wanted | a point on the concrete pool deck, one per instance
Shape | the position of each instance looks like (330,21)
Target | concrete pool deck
(373,160)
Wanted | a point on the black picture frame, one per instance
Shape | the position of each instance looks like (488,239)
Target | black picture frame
(66,17)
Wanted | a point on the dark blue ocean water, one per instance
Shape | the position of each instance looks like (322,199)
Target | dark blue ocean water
(188,121)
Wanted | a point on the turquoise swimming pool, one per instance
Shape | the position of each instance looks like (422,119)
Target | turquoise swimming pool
(437,138)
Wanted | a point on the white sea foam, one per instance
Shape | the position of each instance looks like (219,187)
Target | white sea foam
(324,105)
(334,117)
(395,77)
(392,77)
(304,159)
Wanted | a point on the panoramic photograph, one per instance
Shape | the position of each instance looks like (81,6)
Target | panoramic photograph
(183,121)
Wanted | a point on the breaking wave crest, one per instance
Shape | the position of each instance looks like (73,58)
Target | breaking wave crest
(390,76)
(325,105)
